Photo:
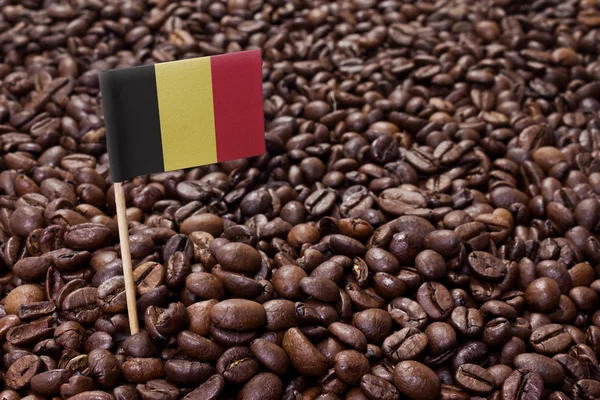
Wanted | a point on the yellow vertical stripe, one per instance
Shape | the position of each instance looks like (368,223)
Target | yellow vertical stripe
(185,106)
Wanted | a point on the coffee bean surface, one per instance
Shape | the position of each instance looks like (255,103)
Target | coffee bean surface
(425,222)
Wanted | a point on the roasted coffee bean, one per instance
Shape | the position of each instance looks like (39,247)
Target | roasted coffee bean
(467,321)
(430,265)
(286,281)
(81,306)
(542,294)
(320,288)
(75,385)
(147,276)
(111,295)
(474,379)
(70,335)
(21,372)
(349,335)
(31,333)
(87,236)
(187,373)
(374,323)
(198,347)
(486,266)
(205,285)
(238,315)
(99,340)
(375,387)
(441,338)
(351,366)
(473,352)
(139,370)
(303,355)
(158,387)
(523,384)
(406,344)
(22,295)
(238,257)
(239,284)
(209,390)
(237,365)
(105,367)
(435,300)
(270,355)
(550,339)
(164,322)
(407,313)
(551,371)
(416,380)
(32,269)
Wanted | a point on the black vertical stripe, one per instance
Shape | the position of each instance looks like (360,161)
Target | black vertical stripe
(132,122)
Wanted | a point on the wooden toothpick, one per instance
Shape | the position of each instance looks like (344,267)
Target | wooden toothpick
(126,258)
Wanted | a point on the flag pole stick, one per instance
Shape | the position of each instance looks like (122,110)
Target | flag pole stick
(126,258)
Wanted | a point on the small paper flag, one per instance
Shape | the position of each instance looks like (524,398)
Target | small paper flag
(183,114)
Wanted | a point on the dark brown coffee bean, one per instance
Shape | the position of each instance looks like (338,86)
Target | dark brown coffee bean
(105,367)
(21,372)
(205,285)
(198,347)
(435,300)
(111,295)
(486,266)
(550,339)
(81,306)
(280,314)
(270,355)
(238,257)
(379,260)
(320,288)
(93,394)
(87,236)
(139,370)
(286,281)
(164,322)
(304,356)
(187,373)
(31,333)
(348,335)
(441,338)
(158,387)
(265,385)
(407,313)
(551,371)
(467,321)
(474,379)
(209,390)
(542,294)
(24,294)
(70,335)
(237,365)
(75,385)
(32,268)
(375,387)
(238,315)
(147,276)
(350,366)
(375,324)
(406,344)
(416,380)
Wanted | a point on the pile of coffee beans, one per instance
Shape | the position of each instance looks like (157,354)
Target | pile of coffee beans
(425,223)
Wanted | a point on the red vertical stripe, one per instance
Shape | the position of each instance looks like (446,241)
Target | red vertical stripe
(238,105)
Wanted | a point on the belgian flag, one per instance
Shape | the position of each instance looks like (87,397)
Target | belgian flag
(183,114)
